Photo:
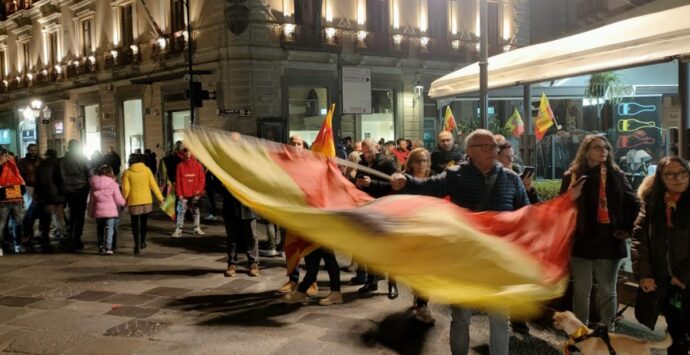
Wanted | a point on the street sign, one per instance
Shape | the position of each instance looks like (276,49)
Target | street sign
(356,90)
(235,112)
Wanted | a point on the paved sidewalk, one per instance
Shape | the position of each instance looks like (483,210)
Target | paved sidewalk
(174,299)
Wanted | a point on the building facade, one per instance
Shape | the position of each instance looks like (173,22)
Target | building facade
(112,72)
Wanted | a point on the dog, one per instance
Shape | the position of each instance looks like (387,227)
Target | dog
(622,344)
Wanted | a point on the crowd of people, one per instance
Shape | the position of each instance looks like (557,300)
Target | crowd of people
(481,177)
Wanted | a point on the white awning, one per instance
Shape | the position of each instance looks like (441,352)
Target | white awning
(650,38)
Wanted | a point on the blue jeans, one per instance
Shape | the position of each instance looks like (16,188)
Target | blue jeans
(460,332)
(188,203)
(105,229)
(606,273)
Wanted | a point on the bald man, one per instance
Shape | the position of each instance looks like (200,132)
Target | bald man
(447,153)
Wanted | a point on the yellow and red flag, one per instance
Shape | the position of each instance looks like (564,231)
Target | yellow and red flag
(449,120)
(545,118)
(515,124)
(505,262)
(295,246)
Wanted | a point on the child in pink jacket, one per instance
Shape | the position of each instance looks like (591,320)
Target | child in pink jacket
(104,200)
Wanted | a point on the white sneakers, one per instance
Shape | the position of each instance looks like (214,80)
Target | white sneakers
(178,232)
(423,314)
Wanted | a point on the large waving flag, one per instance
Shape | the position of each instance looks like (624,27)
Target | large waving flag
(449,120)
(503,262)
(545,118)
(295,247)
(515,124)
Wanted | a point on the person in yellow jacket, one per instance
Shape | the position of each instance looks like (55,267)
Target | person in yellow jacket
(137,185)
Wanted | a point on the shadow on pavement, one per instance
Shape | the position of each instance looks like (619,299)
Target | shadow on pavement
(246,309)
(399,332)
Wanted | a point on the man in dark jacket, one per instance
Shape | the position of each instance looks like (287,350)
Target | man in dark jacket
(447,154)
(374,159)
(113,159)
(75,174)
(240,228)
(481,184)
(27,168)
(48,197)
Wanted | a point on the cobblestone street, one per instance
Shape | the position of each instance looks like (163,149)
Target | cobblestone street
(174,299)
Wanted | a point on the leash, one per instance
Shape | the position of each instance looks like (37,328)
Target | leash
(582,334)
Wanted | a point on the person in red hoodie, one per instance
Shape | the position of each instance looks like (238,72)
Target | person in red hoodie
(190,181)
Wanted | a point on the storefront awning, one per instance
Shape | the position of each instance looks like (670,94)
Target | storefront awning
(656,37)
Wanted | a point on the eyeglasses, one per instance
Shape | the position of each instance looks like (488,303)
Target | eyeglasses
(679,175)
(485,147)
(599,148)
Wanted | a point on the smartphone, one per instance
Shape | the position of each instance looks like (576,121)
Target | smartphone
(359,176)
(528,170)
(580,180)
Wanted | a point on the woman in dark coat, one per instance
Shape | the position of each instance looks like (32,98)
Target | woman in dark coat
(662,230)
(606,213)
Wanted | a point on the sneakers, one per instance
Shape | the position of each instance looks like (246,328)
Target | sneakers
(198,231)
(269,253)
(313,290)
(331,299)
(293,297)
(108,252)
(177,233)
(423,314)
(231,271)
(1,252)
(254,270)
(211,217)
(288,287)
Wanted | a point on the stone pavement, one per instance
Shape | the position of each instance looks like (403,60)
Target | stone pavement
(174,299)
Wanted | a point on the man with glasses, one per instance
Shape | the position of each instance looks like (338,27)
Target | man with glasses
(480,184)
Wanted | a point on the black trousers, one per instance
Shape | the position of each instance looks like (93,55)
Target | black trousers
(139,227)
(312,261)
(678,319)
(76,202)
(241,231)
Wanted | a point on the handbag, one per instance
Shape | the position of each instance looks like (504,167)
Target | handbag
(648,306)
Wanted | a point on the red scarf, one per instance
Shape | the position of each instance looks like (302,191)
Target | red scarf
(670,201)
(603,205)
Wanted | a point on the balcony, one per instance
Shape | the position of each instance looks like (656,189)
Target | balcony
(380,44)
(447,49)
(169,46)
(13,6)
(297,37)
(81,66)
(122,57)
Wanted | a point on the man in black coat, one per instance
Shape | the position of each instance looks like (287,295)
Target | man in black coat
(113,159)
(447,154)
(75,174)
(374,159)
(48,197)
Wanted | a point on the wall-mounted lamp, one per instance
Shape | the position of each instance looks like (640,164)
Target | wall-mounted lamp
(455,44)
(418,92)
(330,33)
(424,42)
(361,35)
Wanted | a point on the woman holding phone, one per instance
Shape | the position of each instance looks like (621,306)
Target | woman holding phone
(606,212)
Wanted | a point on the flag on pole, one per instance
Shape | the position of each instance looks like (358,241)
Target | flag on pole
(168,205)
(545,118)
(324,142)
(504,262)
(449,120)
(515,124)
(296,247)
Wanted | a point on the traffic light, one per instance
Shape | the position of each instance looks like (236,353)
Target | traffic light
(197,94)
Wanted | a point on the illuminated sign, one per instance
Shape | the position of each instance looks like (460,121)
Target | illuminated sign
(58,127)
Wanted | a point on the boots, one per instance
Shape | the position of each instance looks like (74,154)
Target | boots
(136,244)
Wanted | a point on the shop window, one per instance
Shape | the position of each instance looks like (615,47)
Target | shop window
(133,126)
(380,124)
(307,109)
(179,120)
(92,130)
